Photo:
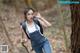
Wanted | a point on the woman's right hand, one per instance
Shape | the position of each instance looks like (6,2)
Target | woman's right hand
(24,40)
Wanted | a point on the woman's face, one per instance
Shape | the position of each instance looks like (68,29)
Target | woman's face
(30,15)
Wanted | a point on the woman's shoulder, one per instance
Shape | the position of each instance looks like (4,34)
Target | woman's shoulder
(37,22)
(22,22)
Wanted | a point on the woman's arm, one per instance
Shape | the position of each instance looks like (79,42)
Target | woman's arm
(24,38)
(44,22)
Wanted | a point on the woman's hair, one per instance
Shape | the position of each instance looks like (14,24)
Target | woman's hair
(26,11)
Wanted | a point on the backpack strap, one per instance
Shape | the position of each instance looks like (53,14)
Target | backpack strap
(23,24)
(37,22)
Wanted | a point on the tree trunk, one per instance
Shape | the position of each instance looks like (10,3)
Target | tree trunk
(28,3)
(75,36)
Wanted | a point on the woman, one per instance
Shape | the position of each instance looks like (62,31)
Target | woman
(32,26)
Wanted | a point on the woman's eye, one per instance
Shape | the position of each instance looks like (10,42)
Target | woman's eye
(30,13)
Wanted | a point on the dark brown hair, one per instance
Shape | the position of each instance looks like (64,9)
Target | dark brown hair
(26,11)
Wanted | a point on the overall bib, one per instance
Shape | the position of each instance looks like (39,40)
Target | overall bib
(38,41)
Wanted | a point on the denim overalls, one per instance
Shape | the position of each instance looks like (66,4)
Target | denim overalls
(38,41)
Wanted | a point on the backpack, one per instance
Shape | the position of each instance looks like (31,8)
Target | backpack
(23,24)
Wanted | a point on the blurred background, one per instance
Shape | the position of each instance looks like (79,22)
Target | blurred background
(11,14)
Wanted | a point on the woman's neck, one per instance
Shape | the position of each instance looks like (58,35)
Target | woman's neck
(30,22)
